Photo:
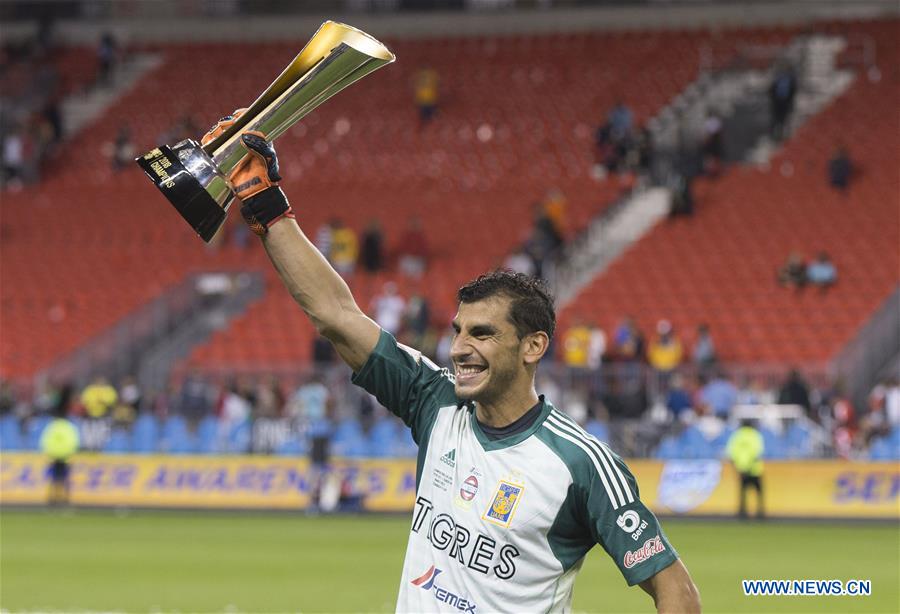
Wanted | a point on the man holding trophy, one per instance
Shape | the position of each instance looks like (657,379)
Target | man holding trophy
(511,493)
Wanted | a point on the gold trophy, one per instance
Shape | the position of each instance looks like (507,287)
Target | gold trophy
(194,178)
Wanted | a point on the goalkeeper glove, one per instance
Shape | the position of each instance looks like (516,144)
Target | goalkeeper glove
(255,178)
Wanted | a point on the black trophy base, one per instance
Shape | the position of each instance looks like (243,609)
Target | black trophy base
(183,190)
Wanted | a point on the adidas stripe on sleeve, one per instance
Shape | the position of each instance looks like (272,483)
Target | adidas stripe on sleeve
(611,506)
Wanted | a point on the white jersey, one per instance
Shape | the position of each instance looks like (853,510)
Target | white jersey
(504,525)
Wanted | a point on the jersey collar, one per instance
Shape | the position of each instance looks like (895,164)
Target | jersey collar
(489,444)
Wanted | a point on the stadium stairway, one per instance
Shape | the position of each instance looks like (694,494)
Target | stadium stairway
(713,93)
(719,266)
(81,108)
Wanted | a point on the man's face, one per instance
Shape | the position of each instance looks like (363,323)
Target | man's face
(486,350)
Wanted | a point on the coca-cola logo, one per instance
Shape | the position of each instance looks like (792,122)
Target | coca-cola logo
(651,547)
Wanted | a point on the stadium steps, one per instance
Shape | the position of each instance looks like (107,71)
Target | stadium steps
(613,230)
(719,266)
(149,340)
(821,83)
(229,297)
(605,239)
(82,108)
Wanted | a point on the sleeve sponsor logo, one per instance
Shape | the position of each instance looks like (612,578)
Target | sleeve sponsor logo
(631,522)
(504,503)
(628,521)
(651,548)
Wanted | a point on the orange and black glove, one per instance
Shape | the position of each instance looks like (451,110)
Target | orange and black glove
(255,178)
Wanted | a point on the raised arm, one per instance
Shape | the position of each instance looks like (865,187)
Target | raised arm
(673,591)
(308,276)
(321,292)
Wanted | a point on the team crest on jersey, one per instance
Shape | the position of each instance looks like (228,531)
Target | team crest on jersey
(504,503)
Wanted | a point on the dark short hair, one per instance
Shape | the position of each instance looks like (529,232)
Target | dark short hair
(531,304)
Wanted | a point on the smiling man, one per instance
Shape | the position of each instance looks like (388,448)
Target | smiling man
(511,493)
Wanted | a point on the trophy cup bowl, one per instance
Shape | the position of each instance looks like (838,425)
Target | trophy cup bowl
(194,177)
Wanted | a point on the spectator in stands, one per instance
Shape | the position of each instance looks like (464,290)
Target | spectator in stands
(782,93)
(7,398)
(555,205)
(122,416)
(388,308)
(665,353)
(753,391)
(718,395)
(844,429)
(682,194)
(596,348)
(51,121)
(107,56)
(892,402)
(792,273)
(874,423)
(821,272)
(98,398)
(269,399)
(794,391)
(425,93)
(883,412)
(620,120)
(344,248)
(309,402)
(323,354)
(704,350)
(324,236)
(235,410)
(645,154)
(412,250)
(121,151)
(130,392)
(13,159)
(628,341)
(840,169)
(183,128)
(612,141)
(544,239)
(678,400)
(745,449)
(417,320)
(713,146)
(371,254)
(575,345)
(194,399)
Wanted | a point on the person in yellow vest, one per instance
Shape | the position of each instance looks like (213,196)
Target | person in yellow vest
(59,441)
(555,204)
(99,398)
(425,91)
(745,450)
(665,353)
(575,346)
(344,248)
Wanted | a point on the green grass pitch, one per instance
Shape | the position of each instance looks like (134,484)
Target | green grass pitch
(202,562)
